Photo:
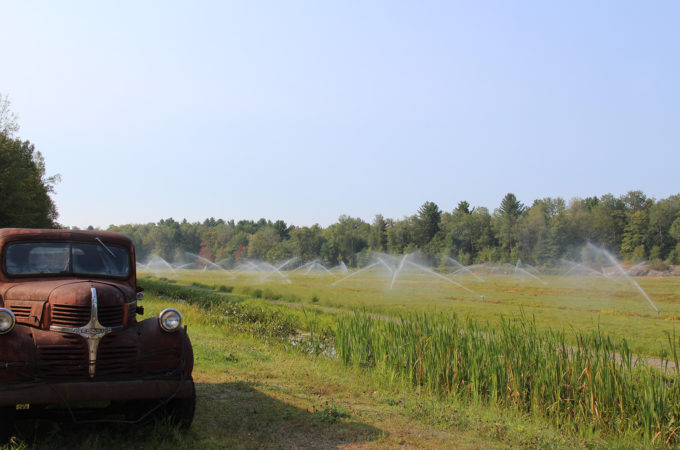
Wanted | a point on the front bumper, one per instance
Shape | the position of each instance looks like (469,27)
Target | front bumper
(93,391)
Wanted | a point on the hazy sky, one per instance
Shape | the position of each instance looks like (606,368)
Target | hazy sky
(303,111)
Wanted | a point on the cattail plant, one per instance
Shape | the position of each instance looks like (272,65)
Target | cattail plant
(596,383)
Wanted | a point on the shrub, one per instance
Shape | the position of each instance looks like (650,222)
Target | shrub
(223,288)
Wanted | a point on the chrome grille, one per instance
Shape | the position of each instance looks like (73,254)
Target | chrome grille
(70,315)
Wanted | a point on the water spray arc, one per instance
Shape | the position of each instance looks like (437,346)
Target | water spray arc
(462,268)
(396,272)
(520,270)
(396,267)
(364,269)
(620,270)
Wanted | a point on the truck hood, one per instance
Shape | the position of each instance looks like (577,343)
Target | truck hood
(66,291)
(68,302)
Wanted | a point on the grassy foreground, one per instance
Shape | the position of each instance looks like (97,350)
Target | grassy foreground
(257,390)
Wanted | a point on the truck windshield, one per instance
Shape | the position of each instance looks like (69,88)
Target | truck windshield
(66,258)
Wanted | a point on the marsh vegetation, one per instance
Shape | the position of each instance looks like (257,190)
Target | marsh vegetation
(587,354)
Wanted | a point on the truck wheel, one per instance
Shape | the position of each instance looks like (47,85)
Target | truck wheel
(7,414)
(181,410)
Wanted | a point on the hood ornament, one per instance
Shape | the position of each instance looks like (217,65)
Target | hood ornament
(92,332)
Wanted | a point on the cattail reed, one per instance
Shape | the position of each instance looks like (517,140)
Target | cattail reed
(595,383)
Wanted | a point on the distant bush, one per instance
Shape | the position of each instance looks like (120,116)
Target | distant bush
(223,288)
(291,298)
(659,266)
(269,294)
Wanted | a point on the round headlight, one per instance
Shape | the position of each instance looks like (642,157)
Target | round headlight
(7,320)
(170,319)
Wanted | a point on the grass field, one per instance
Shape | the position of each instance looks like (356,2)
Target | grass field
(580,375)
(614,306)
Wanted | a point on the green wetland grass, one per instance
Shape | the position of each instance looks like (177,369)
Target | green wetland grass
(564,353)
(594,384)
(581,304)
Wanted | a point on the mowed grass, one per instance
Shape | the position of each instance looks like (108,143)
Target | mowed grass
(582,304)
(256,391)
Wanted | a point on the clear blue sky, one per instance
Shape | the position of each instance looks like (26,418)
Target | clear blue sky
(303,111)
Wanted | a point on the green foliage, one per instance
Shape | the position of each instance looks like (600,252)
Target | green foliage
(24,189)
(506,229)
(675,229)
(635,235)
(344,240)
(401,234)
(377,239)
(262,242)
(223,288)
(662,215)
(307,242)
(329,414)
(428,218)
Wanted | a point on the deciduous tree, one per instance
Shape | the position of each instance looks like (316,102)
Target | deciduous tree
(24,189)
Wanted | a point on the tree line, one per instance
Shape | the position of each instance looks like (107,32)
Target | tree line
(632,226)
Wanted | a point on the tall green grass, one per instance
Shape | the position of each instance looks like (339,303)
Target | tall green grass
(594,384)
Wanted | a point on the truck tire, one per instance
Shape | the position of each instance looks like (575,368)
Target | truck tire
(181,410)
(7,414)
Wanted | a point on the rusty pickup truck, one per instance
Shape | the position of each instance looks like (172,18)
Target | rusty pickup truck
(70,339)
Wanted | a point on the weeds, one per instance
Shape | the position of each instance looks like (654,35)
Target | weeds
(594,384)
(329,414)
